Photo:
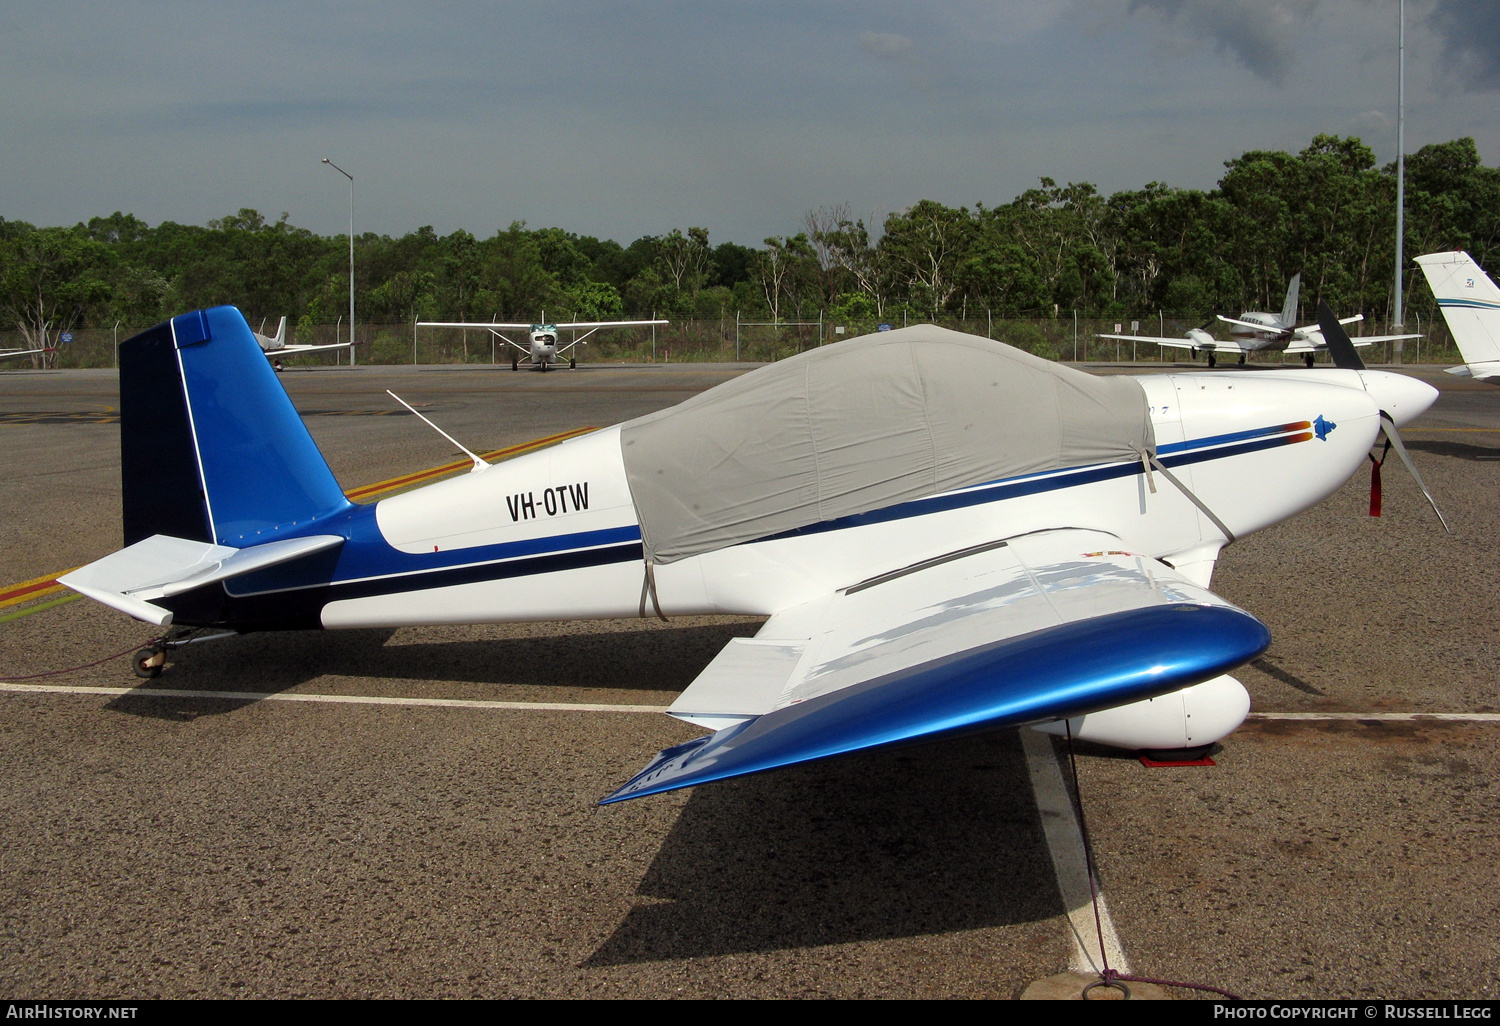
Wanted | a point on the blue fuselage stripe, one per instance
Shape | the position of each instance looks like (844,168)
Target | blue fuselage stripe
(1011,489)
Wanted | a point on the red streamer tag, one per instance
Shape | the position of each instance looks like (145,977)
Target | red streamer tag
(1374,488)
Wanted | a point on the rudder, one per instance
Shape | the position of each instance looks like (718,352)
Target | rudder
(211,447)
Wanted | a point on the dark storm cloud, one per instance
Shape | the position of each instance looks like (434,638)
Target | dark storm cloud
(621,118)
(1471,40)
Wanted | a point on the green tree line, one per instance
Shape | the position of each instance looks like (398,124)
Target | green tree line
(1327,212)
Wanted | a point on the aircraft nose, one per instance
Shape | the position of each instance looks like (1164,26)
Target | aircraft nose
(1404,398)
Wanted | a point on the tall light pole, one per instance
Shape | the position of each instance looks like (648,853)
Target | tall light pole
(1400,162)
(351,253)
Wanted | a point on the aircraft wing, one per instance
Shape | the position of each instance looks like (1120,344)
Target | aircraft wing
(294,350)
(22,352)
(1317,345)
(472,324)
(1313,329)
(1370,340)
(1177,342)
(1030,629)
(605,324)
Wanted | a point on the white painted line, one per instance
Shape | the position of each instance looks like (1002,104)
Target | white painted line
(292,696)
(1391,717)
(1068,861)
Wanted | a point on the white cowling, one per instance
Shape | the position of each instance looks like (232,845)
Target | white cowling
(1190,718)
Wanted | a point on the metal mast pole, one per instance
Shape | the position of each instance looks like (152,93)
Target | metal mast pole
(351,254)
(1400,161)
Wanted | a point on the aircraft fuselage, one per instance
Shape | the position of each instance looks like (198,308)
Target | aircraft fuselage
(554,534)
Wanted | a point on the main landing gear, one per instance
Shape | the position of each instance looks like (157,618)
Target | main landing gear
(1211,359)
(572,362)
(1307,358)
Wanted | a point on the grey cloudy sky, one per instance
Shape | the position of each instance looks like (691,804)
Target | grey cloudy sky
(619,119)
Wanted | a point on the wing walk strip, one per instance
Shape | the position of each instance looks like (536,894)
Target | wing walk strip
(43,587)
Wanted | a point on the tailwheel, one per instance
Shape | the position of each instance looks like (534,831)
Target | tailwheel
(1242,359)
(515,363)
(572,362)
(148,662)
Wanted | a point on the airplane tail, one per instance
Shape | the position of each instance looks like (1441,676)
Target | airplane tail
(1470,302)
(279,339)
(211,448)
(1289,308)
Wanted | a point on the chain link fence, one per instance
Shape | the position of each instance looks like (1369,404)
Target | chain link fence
(729,338)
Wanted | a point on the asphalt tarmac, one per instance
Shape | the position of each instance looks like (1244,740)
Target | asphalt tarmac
(201,846)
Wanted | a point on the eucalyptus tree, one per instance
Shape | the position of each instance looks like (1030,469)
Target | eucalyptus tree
(50,280)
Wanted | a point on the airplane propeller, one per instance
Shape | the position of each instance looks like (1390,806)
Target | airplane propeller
(1346,356)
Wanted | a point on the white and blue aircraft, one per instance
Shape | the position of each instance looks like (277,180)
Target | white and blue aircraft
(1470,302)
(1256,331)
(947,534)
(543,348)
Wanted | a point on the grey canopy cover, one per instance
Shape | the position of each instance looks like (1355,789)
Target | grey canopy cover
(861,425)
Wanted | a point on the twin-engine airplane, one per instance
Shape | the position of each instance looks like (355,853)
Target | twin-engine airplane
(543,349)
(1470,302)
(274,346)
(947,534)
(1255,331)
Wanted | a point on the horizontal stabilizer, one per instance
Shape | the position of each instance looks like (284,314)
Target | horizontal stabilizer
(160,567)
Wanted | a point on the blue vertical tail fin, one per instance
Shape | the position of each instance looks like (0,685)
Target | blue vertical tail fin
(211,447)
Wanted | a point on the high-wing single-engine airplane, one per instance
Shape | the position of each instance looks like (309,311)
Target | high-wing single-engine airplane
(1470,302)
(947,534)
(274,346)
(543,348)
(1256,331)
